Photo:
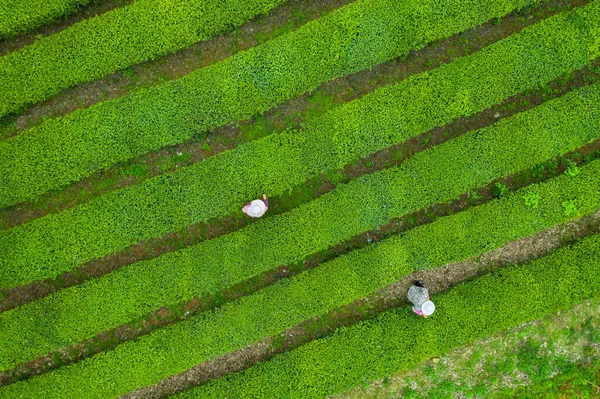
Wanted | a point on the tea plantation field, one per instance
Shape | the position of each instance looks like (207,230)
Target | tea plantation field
(452,142)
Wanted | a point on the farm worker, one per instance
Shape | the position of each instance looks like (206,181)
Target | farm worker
(419,296)
(256,208)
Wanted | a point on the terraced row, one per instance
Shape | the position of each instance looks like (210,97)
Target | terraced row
(356,37)
(476,158)
(396,340)
(433,176)
(57,243)
(291,114)
(464,235)
(88,50)
(557,353)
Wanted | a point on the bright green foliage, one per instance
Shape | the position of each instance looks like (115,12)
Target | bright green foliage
(531,199)
(572,170)
(353,38)
(433,176)
(182,345)
(22,16)
(51,245)
(397,339)
(88,50)
(570,208)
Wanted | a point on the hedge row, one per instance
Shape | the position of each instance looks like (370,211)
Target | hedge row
(398,339)
(57,243)
(433,176)
(180,346)
(23,16)
(88,50)
(353,38)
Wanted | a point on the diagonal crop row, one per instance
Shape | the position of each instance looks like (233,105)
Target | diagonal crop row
(311,189)
(22,16)
(396,339)
(57,243)
(294,113)
(144,30)
(159,318)
(521,355)
(66,149)
(474,160)
(389,297)
(281,20)
(335,283)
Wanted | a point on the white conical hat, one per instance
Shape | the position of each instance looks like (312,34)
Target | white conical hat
(257,208)
(428,308)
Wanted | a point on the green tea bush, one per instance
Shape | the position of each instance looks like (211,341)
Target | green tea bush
(23,16)
(430,177)
(397,339)
(358,36)
(181,346)
(531,199)
(90,49)
(57,243)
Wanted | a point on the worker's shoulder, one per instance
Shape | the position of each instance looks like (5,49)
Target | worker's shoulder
(417,290)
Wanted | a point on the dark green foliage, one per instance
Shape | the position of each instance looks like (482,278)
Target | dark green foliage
(397,339)
(221,185)
(500,190)
(23,16)
(433,176)
(358,36)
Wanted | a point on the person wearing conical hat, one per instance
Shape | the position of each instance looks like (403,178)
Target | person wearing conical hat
(257,207)
(419,296)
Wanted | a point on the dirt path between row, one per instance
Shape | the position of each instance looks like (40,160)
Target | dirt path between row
(165,316)
(316,187)
(390,297)
(293,113)
(308,191)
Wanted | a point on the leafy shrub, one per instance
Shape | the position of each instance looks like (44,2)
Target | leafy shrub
(500,190)
(570,208)
(572,169)
(531,199)
(433,176)
(222,184)
(335,283)
(125,36)
(397,339)
(358,36)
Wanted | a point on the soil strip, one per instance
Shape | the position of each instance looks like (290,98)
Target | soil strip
(165,316)
(94,8)
(293,113)
(390,297)
(304,193)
